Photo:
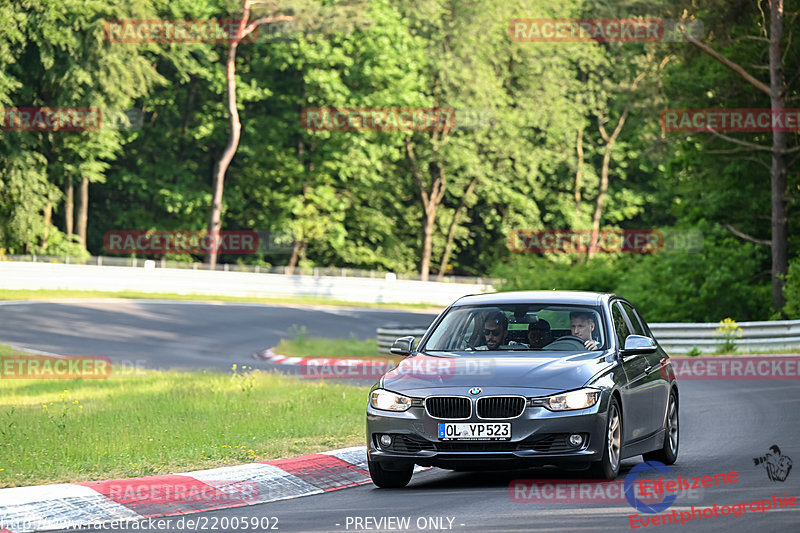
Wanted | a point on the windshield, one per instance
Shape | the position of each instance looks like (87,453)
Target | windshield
(519,327)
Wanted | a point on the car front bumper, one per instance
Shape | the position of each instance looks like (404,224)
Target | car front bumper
(538,437)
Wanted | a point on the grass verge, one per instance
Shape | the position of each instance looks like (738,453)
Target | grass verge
(6,294)
(139,423)
(301,346)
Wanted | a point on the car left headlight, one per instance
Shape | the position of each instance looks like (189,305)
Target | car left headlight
(389,401)
(570,401)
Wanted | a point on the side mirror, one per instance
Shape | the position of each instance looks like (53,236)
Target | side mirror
(638,344)
(403,346)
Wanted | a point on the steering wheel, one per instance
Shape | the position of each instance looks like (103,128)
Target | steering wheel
(568,339)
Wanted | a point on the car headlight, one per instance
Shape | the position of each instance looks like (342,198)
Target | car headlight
(389,401)
(569,401)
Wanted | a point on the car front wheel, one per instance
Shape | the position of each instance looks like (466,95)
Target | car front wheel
(389,479)
(608,466)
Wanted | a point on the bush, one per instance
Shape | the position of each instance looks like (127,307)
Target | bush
(719,281)
(791,290)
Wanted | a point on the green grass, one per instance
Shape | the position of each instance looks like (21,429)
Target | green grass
(138,423)
(69,294)
(351,348)
(8,350)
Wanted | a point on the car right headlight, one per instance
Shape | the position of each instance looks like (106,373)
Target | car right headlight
(569,401)
(389,401)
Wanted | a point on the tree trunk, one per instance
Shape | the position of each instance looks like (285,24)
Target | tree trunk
(601,195)
(451,232)
(294,258)
(427,242)
(579,173)
(430,203)
(778,179)
(83,210)
(215,217)
(69,206)
(778,169)
(48,221)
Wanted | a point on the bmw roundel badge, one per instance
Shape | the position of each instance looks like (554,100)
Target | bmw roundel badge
(475,391)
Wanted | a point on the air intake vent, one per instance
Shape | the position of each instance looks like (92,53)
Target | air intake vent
(501,406)
(452,407)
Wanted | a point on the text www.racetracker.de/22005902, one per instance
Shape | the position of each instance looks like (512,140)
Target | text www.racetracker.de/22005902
(200,523)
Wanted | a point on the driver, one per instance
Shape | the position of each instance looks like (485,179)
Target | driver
(581,324)
(495,331)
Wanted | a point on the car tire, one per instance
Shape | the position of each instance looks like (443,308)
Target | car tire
(668,453)
(608,466)
(389,479)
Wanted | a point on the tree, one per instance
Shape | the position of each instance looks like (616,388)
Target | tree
(246,27)
(62,61)
(776,90)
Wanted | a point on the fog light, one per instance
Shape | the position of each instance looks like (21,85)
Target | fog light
(386,440)
(575,440)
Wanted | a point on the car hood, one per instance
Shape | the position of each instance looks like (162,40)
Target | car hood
(539,370)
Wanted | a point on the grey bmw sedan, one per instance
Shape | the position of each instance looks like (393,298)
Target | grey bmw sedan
(519,379)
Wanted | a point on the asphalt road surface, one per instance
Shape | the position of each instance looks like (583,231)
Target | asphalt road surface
(175,334)
(724,426)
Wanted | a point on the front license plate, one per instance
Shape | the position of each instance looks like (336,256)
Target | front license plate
(476,431)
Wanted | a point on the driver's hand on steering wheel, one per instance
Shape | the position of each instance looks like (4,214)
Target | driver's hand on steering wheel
(590,344)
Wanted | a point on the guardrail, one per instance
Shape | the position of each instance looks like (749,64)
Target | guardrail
(675,337)
(387,336)
(190,264)
(49,276)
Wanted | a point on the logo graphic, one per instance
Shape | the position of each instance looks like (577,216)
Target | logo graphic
(175,31)
(180,242)
(731,120)
(378,118)
(50,118)
(778,466)
(475,391)
(54,367)
(604,30)
(638,504)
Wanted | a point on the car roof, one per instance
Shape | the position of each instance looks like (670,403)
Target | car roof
(545,297)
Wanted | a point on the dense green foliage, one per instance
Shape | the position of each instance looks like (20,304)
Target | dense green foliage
(355,199)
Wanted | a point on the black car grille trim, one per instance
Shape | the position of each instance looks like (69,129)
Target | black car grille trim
(552,443)
(448,407)
(476,446)
(408,444)
(501,407)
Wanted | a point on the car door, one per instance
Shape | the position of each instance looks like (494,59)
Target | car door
(637,403)
(655,360)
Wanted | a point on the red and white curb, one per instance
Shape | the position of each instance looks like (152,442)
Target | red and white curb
(272,357)
(94,503)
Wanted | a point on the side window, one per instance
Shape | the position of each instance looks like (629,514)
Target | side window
(633,318)
(644,325)
(619,324)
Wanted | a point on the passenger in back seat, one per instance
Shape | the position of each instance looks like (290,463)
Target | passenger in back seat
(539,333)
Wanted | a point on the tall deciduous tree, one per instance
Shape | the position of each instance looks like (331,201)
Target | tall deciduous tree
(246,27)
(776,91)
